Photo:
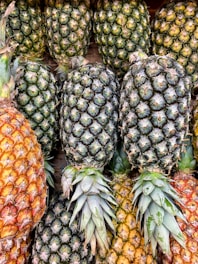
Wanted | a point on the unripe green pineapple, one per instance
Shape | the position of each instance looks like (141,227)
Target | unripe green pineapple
(25,27)
(37,98)
(121,27)
(68,27)
(88,133)
(154,115)
(56,241)
(175,32)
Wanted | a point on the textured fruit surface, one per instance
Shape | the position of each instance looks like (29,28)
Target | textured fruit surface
(175,32)
(120,28)
(89,115)
(56,241)
(154,112)
(15,251)
(25,28)
(187,186)
(22,176)
(68,28)
(37,99)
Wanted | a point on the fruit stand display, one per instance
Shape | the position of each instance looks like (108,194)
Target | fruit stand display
(108,90)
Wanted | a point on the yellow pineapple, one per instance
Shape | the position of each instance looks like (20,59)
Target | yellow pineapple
(127,244)
(22,176)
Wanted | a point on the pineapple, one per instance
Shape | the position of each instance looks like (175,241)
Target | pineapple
(186,185)
(88,134)
(175,32)
(55,240)
(127,246)
(25,27)
(15,251)
(120,28)
(23,187)
(68,26)
(37,98)
(154,118)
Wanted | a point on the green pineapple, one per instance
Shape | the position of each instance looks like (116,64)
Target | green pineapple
(175,32)
(154,115)
(120,28)
(68,28)
(56,241)
(25,27)
(88,133)
(37,98)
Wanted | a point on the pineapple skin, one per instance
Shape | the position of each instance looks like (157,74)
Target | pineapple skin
(127,245)
(154,112)
(37,98)
(187,186)
(89,115)
(15,251)
(56,241)
(174,32)
(25,28)
(120,28)
(68,27)
(23,187)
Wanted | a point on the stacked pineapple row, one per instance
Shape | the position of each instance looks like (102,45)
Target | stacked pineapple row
(123,125)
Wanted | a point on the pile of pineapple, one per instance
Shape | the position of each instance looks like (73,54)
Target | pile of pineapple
(125,122)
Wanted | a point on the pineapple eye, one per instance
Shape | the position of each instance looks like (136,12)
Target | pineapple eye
(184,36)
(170,16)
(111,16)
(156,136)
(144,143)
(172,112)
(157,102)
(145,126)
(169,129)
(121,19)
(158,119)
(142,110)
(170,95)
(116,30)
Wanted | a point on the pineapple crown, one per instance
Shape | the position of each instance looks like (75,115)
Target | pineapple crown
(6,51)
(119,163)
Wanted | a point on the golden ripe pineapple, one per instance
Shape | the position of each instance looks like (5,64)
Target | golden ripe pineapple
(15,251)
(22,176)
(127,244)
(186,185)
